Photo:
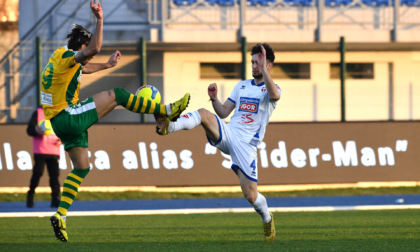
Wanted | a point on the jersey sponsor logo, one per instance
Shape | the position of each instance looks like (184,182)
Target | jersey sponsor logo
(247,118)
(46,99)
(249,105)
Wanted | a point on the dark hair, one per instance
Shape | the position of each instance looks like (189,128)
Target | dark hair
(77,37)
(269,53)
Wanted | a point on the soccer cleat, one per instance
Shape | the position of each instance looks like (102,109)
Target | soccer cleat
(162,125)
(59,226)
(178,107)
(269,230)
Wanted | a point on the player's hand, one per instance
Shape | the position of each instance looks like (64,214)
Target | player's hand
(114,58)
(97,10)
(212,91)
(262,60)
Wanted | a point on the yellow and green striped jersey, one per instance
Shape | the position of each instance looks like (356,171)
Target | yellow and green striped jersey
(60,82)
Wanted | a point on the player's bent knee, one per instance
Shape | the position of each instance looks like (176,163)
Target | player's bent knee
(251,199)
(206,116)
(203,112)
(250,196)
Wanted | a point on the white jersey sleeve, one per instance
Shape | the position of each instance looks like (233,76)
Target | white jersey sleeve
(235,92)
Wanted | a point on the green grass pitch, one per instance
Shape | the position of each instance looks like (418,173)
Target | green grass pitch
(390,230)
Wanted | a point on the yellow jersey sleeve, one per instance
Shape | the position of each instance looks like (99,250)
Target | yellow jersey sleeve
(60,82)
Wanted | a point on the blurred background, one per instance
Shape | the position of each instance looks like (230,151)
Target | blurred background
(336,60)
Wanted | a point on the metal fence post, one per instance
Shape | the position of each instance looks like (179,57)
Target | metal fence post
(394,31)
(410,93)
(314,102)
(391,91)
(244,50)
(38,49)
(343,78)
(320,19)
(163,13)
(242,11)
(143,68)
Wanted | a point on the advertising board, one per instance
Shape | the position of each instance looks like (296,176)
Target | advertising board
(292,153)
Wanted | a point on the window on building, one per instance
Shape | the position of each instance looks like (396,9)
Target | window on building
(353,71)
(220,70)
(291,71)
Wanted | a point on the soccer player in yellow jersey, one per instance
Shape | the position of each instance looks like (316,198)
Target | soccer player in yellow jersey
(71,118)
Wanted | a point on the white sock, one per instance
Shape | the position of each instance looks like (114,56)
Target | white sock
(185,122)
(261,207)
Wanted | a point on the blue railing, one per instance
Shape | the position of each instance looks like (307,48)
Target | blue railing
(413,3)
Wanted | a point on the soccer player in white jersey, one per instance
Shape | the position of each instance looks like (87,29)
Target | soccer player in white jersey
(252,101)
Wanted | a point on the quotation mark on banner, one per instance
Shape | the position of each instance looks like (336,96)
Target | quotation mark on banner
(401,145)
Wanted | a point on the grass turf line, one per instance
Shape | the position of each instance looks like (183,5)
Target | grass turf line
(394,230)
(133,195)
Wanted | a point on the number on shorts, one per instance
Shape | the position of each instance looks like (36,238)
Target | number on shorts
(253,166)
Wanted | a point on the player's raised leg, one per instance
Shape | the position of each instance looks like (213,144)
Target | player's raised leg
(106,101)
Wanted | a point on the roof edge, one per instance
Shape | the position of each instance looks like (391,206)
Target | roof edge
(282,47)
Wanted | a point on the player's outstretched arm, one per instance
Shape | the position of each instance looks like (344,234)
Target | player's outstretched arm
(95,67)
(222,110)
(96,43)
(272,90)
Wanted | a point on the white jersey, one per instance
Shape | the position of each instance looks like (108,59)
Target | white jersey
(253,109)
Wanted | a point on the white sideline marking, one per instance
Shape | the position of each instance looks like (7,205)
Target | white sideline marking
(212,210)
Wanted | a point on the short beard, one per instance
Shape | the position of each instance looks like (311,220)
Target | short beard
(257,76)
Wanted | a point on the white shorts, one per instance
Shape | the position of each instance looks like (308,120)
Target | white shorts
(244,156)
